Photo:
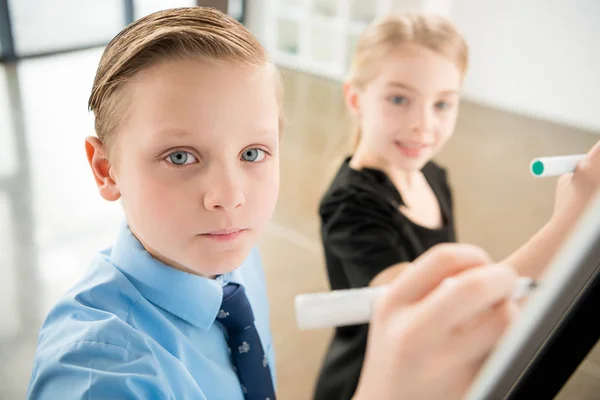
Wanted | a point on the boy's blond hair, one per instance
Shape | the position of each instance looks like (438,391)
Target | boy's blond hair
(433,32)
(168,34)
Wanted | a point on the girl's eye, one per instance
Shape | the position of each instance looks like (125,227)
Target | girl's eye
(442,105)
(254,155)
(181,158)
(398,100)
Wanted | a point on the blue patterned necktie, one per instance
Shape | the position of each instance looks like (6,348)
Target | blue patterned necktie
(247,351)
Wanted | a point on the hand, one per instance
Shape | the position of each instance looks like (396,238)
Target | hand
(389,274)
(430,335)
(575,190)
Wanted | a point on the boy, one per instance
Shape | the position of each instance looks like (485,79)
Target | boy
(188,116)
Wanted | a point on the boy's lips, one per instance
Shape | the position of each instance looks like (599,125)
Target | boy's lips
(224,235)
(224,231)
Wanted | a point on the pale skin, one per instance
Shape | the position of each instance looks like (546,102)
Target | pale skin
(185,170)
(185,109)
(407,113)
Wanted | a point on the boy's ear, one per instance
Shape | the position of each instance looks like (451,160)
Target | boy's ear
(351,95)
(101,168)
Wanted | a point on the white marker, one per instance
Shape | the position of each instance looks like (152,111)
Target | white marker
(354,306)
(552,166)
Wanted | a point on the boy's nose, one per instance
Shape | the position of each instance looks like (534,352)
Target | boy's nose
(224,195)
(223,201)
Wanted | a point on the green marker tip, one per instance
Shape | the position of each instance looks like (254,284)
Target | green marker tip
(538,168)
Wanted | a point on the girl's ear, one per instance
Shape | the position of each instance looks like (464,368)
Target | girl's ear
(352,97)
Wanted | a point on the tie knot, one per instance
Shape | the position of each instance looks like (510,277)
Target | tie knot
(236,312)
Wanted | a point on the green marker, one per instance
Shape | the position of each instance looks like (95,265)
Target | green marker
(553,166)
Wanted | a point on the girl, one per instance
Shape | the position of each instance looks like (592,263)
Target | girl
(389,203)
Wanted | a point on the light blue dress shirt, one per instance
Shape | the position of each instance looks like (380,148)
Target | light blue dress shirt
(134,328)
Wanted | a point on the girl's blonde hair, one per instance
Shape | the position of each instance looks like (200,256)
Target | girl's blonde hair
(433,32)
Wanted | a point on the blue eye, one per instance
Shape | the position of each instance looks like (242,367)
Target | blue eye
(181,158)
(398,100)
(254,155)
(442,105)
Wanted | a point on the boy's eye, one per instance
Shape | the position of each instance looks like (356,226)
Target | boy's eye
(181,158)
(442,105)
(254,155)
(398,100)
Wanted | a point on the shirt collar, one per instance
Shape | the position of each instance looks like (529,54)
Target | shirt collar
(193,298)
